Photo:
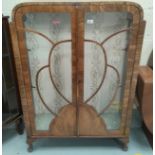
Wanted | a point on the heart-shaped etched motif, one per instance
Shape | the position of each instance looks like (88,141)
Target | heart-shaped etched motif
(104,69)
(50,68)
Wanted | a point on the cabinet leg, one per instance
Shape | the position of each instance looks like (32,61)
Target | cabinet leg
(124,143)
(20,126)
(30,146)
(125,147)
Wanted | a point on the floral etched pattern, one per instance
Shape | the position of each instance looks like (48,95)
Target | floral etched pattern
(100,27)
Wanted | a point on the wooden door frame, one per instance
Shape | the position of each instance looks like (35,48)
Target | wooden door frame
(134,50)
(24,75)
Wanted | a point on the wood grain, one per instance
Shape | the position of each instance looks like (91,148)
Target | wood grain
(90,124)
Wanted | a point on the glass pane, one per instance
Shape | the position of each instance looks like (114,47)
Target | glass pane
(55,61)
(106,59)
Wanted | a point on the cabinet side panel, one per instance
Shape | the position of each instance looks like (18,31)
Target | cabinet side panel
(20,77)
(134,77)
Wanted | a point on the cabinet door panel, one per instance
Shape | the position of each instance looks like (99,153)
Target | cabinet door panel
(105,64)
(46,46)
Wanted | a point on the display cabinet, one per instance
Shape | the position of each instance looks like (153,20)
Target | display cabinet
(77,67)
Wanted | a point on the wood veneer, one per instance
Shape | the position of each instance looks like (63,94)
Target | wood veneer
(77,119)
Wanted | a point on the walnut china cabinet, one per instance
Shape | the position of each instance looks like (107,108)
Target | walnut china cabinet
(77,67)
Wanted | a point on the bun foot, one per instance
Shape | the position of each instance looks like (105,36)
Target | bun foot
(125,147)
(30,148)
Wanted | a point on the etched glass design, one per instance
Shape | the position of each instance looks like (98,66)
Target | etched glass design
(105,58)
(46,59)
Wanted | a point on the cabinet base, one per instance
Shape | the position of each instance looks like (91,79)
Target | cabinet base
(123,142)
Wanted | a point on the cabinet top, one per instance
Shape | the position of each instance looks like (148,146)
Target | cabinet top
(130,7)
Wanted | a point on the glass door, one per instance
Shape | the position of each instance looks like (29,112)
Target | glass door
(49,57)
(106,37)
(47,48)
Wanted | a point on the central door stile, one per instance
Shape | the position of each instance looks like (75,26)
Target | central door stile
(80,51)
(80,62)
(74,65)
